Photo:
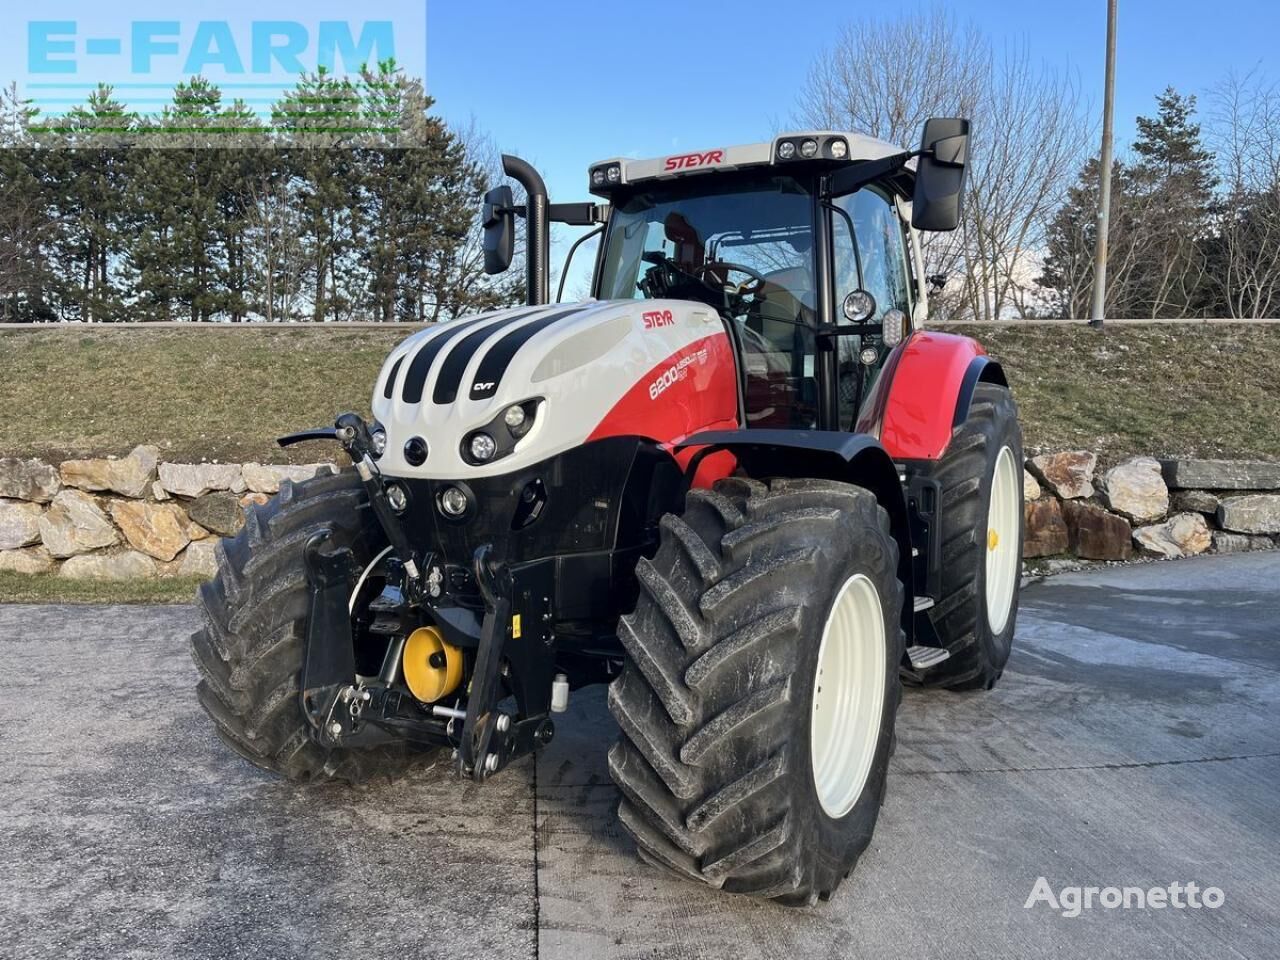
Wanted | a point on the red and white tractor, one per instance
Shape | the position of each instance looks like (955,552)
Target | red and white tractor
(742,485)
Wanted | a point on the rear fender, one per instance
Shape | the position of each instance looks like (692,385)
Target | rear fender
(924,392)
(851,458)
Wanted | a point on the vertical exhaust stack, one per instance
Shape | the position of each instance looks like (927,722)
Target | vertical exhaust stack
(537,228)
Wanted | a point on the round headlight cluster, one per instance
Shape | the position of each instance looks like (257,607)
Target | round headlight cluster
(606,175)
(378,442)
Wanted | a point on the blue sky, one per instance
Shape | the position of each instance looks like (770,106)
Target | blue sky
(569,82)
(577,81)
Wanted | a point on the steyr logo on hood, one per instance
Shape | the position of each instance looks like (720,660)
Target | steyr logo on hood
(658,318)
(687,161)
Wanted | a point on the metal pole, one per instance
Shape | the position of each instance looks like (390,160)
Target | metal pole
(1104,175)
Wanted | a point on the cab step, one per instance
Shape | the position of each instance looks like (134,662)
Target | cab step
(922,658)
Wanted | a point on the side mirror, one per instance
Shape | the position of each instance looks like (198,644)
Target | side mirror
(940,174)
(499,230)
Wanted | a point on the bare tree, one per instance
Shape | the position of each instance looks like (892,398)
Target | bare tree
(886,77)
(1244,129)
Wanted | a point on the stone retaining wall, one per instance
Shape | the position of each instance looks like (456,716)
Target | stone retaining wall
(127,518)
(1149,507)
(137,516)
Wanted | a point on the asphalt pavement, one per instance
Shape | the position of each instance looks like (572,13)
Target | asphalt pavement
(1134,741)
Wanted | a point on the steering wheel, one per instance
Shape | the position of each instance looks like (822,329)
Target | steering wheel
(751,288)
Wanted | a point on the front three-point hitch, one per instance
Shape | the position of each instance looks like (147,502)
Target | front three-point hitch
(503,658)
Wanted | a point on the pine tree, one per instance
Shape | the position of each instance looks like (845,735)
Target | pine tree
(1174,180)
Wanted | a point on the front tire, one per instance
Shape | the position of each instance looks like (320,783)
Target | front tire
(758,699)
(982,530)
(249,650)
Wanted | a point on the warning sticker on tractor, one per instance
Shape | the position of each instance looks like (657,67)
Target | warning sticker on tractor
(515,627)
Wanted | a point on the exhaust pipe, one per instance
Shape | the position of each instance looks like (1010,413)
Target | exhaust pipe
(537,228)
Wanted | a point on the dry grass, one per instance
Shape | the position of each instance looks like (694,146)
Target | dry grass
(1163,390)
(225,395)
(216,395)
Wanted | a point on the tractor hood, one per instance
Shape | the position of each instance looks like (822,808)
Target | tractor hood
(578,372)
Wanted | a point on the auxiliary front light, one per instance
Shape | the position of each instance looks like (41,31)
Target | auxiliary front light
(839,149)
(597,178)
(482,447)
(809,149)
(614,174)
(396,496)
(453,502)
(515,417)
(786,150)
(378,442)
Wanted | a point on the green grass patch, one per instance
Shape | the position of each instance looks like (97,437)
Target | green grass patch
(1165,390)
(40,588)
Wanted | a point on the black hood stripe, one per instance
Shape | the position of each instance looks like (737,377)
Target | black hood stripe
(389,388)
(455,364)
(415,380)
(495,362)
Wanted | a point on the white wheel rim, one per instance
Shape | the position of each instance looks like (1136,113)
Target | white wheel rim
(1002,546)
(848,696)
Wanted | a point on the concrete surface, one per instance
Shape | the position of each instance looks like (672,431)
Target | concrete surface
(1132,741)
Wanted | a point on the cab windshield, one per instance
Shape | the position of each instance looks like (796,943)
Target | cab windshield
(744,245)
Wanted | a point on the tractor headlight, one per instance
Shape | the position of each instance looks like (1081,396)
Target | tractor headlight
(839,149)
(786,150)
(809,149)
(613,174)
(515,417)
(597,177)
(859,306)
(396,496)
(519,418)
(378,442)
(482,447)
(894,324)
(453,502)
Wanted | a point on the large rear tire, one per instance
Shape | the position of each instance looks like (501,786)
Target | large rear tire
(982,529)
(758,698)
(249,650)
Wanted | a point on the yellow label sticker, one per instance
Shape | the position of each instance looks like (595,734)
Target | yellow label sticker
(515,627)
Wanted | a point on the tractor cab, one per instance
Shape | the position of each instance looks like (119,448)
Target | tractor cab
(805,245)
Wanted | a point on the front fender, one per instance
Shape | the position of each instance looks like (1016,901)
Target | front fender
(924,392)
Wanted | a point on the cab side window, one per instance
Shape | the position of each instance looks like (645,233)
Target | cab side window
(881,261)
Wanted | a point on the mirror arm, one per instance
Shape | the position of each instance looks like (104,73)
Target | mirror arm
(849,179)
(578,214)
